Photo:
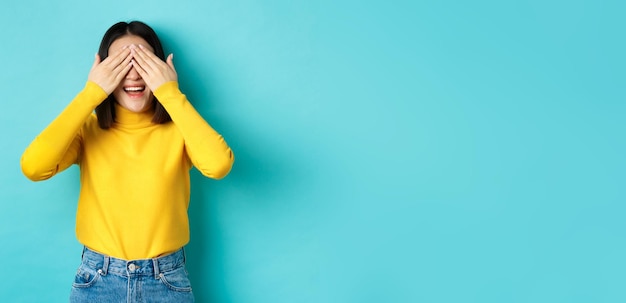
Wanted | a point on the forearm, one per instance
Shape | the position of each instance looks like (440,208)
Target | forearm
(47,154)
(206,148)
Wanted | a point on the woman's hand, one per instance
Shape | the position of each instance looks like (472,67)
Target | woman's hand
(109,73)
(153,70)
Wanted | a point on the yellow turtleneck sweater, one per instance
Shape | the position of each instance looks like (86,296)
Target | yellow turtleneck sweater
(134,176)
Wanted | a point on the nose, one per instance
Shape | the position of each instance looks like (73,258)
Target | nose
(133,74)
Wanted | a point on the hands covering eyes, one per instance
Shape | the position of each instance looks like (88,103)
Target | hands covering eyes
(110,72)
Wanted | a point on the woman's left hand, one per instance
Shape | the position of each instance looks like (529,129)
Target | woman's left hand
(151,68)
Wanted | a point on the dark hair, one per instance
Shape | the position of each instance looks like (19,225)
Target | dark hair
(106,110)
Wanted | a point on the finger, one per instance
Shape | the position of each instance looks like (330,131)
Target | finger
(142,72)
(143,60)
(120,74)
(123,72)
(137,58)
(149,53)
(117,58)
(149,57)
(123,66)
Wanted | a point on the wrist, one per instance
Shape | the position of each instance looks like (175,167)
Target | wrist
(166,90)
(95,93)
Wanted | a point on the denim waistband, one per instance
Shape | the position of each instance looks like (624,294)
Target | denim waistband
(155,266)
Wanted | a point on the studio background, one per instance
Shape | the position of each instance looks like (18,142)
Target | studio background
(386,151)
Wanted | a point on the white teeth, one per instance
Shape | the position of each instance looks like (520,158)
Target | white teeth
(134,89)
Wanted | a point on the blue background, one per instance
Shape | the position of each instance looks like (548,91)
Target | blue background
(386,151)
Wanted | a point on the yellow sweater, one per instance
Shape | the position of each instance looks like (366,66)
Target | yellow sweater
(134,176)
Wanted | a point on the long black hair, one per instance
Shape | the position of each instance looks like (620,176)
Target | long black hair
(106,110)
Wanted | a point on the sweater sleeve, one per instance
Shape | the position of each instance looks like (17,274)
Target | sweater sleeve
(206,148)
(58,145)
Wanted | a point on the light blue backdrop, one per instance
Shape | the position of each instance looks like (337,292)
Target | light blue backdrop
(387,151)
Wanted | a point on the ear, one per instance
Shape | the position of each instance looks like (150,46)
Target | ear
(96,61)
(170,61)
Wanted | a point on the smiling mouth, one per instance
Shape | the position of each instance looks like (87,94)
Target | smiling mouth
(134,89)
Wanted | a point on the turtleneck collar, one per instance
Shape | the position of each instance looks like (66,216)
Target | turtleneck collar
(126,118)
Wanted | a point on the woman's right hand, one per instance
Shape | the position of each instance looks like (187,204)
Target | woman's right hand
(109,73)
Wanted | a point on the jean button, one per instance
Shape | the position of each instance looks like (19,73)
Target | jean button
(132,267)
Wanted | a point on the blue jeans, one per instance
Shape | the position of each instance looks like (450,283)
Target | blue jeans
(105,279)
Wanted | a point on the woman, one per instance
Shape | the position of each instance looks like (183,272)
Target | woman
(134,155)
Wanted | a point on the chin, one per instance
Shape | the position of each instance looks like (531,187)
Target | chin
(135,101)
(138,108)
(136,105)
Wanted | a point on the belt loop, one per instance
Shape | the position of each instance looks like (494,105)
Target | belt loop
(157,270)
(184,256)
(105,266)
